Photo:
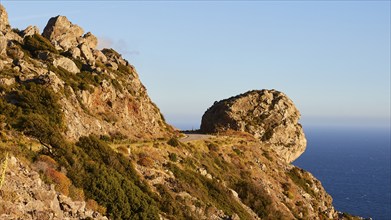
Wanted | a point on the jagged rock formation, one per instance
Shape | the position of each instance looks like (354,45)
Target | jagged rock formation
(269,115)
(4,24)
(100,92)
(30,31)
(25,196)
(62,33)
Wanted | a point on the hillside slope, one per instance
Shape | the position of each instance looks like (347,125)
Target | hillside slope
(98,91)
(80,138)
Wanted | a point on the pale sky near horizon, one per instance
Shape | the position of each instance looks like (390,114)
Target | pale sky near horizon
(332,58)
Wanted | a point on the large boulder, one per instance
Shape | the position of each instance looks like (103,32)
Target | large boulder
(67,64)
(4,24)
(87,53)
(30,31)
(269,115)
(62,33)
(90,40)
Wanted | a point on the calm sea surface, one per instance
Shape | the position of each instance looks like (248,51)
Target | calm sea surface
(353,165)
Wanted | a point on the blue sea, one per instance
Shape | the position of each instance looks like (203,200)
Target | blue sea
(353,165)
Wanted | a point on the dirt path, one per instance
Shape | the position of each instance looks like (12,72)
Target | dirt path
(194,137)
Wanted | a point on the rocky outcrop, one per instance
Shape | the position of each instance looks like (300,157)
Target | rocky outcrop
(5,28)
(269,115)
(69,37)
(30,31)
(4,24)
(67,64)
(100,92)
(25,196)
(3,44)
(62,33)
(90,40)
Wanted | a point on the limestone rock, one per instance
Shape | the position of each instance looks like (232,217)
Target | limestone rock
(90,40)
(25,196)
(267,114)
(62,33)
(75,51)
(113,65)
(99,56)
(12,36)
(14,52)
(86,53)
(4,24)
(67,64)
(30,31)
(3,44)
(7,81)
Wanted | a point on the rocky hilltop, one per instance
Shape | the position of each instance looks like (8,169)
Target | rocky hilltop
(269,115)
(81,139)
(99,92)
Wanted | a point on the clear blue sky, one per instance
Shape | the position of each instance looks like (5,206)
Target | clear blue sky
(331,58)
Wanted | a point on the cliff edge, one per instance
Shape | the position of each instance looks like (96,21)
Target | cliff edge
(269,115)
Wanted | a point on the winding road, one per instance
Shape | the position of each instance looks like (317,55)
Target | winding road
(195,137)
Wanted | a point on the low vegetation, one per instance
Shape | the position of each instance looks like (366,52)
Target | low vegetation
(298,176)
(208,191)
(37,43)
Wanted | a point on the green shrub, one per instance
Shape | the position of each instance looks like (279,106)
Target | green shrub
(254,197)
(117,136)
(38,99)
(213,147)
(266,154)
(105,137)
(237,151)
(169,205)
(37,42)
(110,178)
(173,157)
(34,109)
(174,142)
(298,177)
(76,194)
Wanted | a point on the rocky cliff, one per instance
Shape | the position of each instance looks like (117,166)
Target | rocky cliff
(99,92)
(269,115)
(81,139)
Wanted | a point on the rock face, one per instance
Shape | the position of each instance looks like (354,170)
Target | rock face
(30,31)
(62,33)
(25,196)
(269,115)
(3,44)
(4,24)
(100,92)
(67,64)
